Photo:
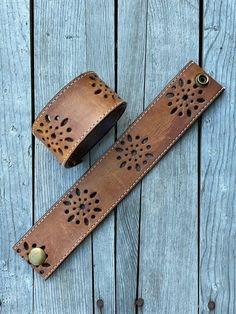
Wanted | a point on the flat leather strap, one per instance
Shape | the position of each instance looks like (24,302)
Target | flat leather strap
(78,117)
(109,180)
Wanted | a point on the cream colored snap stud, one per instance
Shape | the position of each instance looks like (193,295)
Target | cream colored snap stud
(37,256)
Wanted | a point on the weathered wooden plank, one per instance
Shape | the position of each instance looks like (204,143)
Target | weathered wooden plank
(168,251)
(100,58)
(218,164)
(131,70)
(60,55)
(168,270)
(16,178)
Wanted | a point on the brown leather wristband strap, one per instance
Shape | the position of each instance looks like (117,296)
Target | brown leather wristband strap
(111,178)
(78,117)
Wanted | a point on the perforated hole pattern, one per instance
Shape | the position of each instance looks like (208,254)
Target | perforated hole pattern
(55,132)
(184,97)
(24,251)
(134,152)
(82,206)
(99,88)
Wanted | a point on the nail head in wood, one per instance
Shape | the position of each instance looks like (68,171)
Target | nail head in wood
(100,303)
(139,302)
(211,305)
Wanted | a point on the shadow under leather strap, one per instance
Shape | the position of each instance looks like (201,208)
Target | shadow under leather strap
(109,180)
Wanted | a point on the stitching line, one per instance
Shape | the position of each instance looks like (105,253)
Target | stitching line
(52,101)
(100,160)
(135,182)
(61,92)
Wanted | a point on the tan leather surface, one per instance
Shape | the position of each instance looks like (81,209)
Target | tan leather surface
(111,178)
(82,109)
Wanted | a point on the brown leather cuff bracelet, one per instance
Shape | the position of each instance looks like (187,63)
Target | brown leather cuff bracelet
(78,117)
(145,142)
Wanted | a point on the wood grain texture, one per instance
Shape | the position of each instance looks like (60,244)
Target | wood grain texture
(149,248)
(131,70)
(60,55)
(15,163)
(218,164)
(101,58)
(168,270)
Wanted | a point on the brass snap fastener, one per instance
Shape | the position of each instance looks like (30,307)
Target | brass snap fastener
(202,80)
(37,256)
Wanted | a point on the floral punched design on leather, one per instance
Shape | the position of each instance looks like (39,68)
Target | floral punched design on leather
(184,97)
(55,133)
(82,206)
(24,251)
(100,88)
(134,152)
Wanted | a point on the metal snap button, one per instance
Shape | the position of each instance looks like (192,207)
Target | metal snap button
(37,256)
(202,80)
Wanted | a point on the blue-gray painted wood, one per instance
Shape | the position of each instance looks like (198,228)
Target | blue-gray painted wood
(149,249)
(60,55)
(16,289)
(101,58)
(131,72)
(218,164)
(168,270)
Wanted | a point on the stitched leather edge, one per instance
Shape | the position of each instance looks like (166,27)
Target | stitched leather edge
(60,93)
(97,163)
(135,182)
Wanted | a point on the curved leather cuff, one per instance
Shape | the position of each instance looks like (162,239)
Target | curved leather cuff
(78,117)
